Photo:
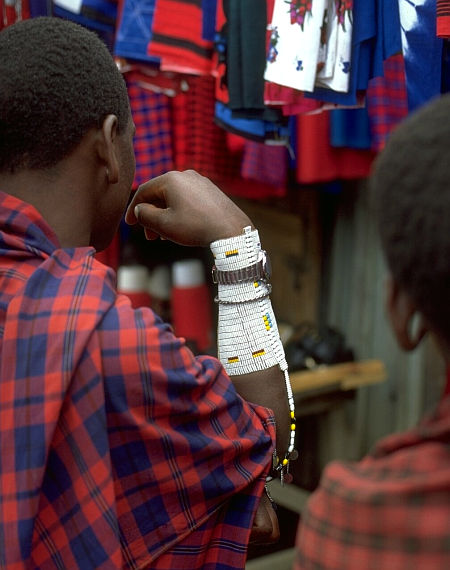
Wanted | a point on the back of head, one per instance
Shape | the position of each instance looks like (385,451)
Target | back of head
(411,184)
(57,80)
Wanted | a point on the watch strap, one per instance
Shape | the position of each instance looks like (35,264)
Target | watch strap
(244,274)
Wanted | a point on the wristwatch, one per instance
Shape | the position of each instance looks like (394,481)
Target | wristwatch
(261,270)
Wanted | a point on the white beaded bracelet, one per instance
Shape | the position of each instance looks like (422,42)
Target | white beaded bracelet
(247,337)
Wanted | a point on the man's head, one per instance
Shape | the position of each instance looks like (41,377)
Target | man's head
(411,183)
(57,81)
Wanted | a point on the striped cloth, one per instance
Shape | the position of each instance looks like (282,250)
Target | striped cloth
(118,448)
(443,18)
(177,37)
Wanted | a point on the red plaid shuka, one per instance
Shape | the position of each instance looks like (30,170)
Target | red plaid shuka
(390,511)
(118,448)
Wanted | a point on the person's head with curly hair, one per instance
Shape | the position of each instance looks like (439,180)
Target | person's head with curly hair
(65,128)
(411,185)
(57,80)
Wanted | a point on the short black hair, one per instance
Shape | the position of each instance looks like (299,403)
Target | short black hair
(411,186)
(57,81)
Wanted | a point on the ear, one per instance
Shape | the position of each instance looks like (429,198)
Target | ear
(107,148)
(402,312)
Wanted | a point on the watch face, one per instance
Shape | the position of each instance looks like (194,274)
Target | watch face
(265,264)
(268,267)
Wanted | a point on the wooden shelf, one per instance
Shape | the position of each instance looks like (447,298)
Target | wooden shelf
(344,376)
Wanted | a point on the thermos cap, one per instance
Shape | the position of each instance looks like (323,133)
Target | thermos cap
(132,278)
(188,273)
(159,283)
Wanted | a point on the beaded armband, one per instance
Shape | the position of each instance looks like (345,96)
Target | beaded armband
(247,337)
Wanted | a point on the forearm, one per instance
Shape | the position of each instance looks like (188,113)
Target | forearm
(249,344)
(267,388)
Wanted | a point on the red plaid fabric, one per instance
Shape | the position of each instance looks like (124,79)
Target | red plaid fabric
(198,142)
(177,37)
(153,140)
(387,100)
(118,448)
(391,510)
(443,18)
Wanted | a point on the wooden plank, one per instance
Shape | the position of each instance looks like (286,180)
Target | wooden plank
(344,376)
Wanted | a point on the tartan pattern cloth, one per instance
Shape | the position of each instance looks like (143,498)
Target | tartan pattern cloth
(200,144)
(387,100)
(391,510)
(443,18)
(118,448)
(153,138)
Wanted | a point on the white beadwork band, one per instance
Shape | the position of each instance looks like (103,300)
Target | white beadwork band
(247,337)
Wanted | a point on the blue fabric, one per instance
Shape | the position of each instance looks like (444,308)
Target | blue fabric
(422,51)
(38,8)
(256,129)
(376,36)
(134,31)
(350,128)
(209,10)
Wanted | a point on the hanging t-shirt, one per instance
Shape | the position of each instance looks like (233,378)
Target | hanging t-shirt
(294,45)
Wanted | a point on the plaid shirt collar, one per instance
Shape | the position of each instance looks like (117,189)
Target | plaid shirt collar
(24,229)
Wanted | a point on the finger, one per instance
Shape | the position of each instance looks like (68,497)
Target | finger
(151,218)
(152,192)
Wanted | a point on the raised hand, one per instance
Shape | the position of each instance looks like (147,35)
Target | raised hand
(186,208)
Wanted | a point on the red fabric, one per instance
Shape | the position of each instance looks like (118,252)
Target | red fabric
(177,37)
(198,142)
(318,161)
(443,18)
(118,448)
(389,511)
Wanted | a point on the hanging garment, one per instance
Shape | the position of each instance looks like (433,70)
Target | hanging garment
(336,41)
(350,128)
(387,101)
(152,141)
(245,35)
(177,37)
(422,50)
(198,142)
(209,9)
(97,15)
(134,30)
(265,163)
(443,18)
(376,36)
(318,161)
(294,45)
